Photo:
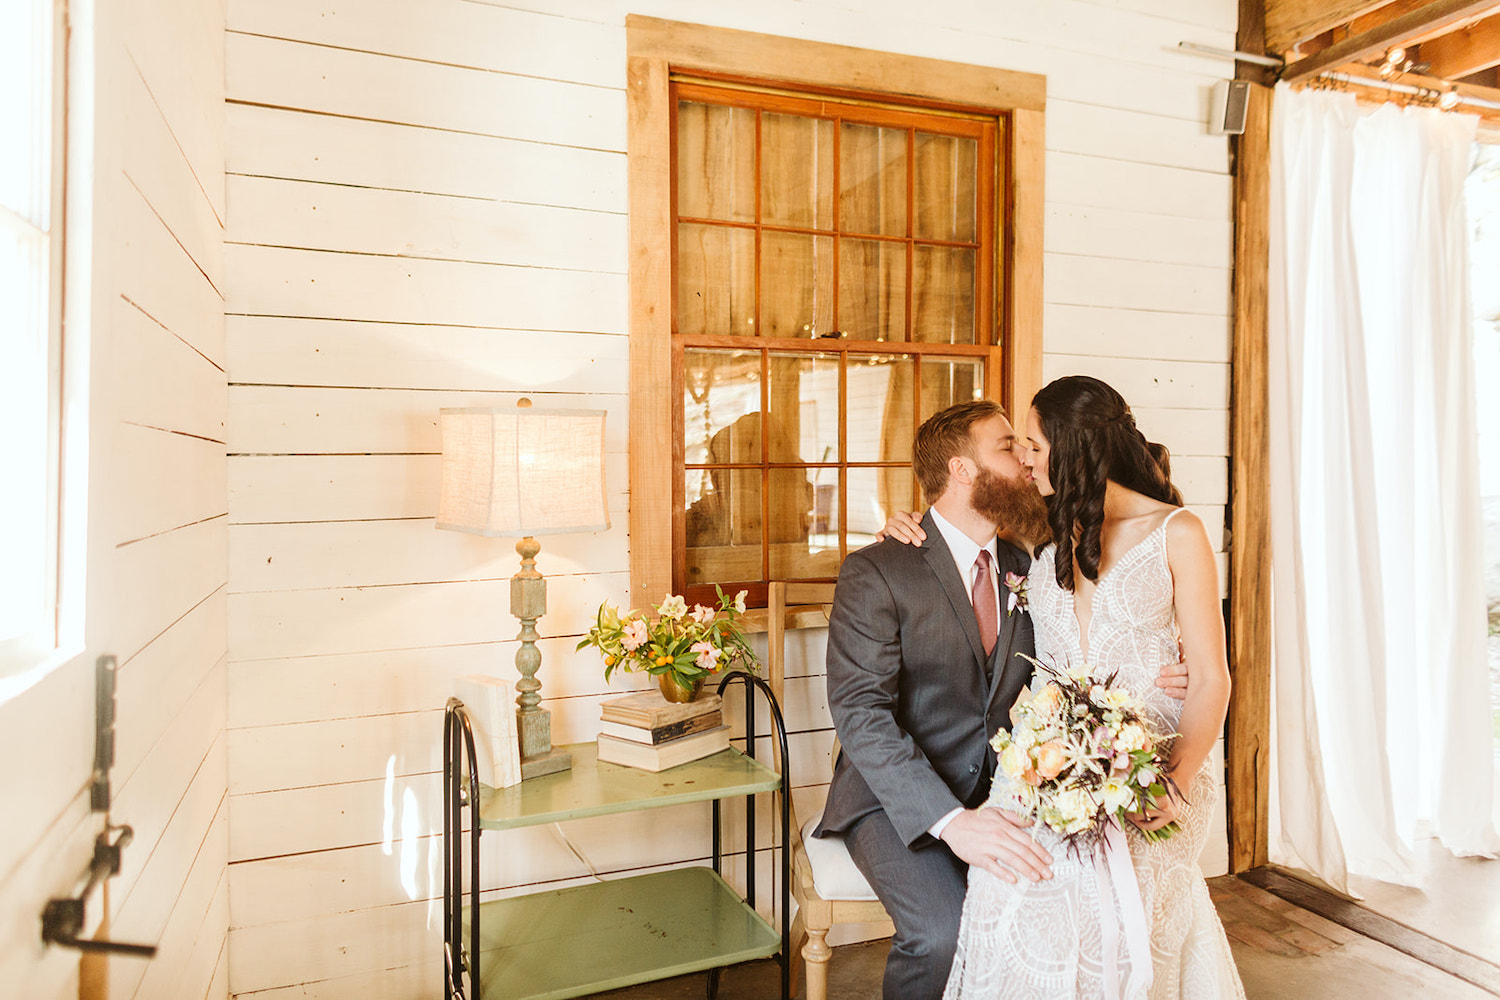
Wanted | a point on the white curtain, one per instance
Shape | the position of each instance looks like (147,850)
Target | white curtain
(1382,723)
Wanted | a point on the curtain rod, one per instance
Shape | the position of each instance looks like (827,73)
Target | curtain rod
(1406,88)
(1249,57)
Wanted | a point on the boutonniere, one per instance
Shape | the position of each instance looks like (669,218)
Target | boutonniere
(1016,584)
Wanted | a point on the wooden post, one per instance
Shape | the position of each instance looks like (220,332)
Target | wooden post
(1247,729)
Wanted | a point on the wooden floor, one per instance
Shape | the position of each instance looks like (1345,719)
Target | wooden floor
(1283,952)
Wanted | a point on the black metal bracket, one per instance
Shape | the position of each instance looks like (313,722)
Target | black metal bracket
(62,919)
(104,732)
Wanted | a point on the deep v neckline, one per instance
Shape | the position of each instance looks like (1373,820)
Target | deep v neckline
(1083,630)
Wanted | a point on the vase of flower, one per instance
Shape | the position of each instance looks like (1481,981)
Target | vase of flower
(679,647)
(673,691)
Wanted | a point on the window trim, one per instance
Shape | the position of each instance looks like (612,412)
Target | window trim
(655,50)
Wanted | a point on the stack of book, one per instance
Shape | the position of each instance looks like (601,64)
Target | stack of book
(645,730)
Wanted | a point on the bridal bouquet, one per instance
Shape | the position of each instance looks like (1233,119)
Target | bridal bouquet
(1081,754)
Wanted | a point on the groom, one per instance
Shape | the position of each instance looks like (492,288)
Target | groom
(923,668)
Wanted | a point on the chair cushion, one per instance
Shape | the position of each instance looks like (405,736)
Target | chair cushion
(834,873)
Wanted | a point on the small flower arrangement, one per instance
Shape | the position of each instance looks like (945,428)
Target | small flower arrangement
(688,645)
(1081,755)
(1018,587)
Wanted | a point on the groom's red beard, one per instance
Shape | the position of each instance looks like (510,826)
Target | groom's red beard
(1014,505)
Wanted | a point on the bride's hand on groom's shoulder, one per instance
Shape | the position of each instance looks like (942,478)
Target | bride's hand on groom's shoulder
(998,842)
(904,527)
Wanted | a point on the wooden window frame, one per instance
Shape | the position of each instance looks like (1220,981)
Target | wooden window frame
(655,50)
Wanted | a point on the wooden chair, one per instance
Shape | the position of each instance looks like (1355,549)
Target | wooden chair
(827,886)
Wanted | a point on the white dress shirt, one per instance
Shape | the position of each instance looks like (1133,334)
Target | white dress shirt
(965,553)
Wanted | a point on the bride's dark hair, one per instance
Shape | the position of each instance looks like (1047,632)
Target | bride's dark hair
(1093,439)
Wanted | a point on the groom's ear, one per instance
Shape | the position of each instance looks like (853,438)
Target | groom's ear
(961,469)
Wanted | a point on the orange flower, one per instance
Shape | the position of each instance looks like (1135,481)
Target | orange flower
(1050,759)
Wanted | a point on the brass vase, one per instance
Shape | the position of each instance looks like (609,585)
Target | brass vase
(674,692)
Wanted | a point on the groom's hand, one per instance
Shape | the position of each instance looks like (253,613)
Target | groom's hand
(1173,678)
(997,841)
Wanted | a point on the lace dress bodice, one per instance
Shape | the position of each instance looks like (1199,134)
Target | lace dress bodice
(1042,941)
(1132,631)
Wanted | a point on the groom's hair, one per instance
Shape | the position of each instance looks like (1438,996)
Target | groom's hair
(942,436)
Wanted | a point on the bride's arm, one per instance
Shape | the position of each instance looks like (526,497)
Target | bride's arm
(1200,619)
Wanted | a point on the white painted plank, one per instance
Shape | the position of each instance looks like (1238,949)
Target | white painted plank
(170,385)
(1222,14)
(363,85)
(279,282)
(298,420)
(171,897)
(1136,333)
(155,166)
(194,937)
(178,45)
(1134,137)
(291,952)
(315,555)
(1184,431)
(325,817)
(174,480)
(152,687)
(1129,284)
(442,31)
(156,581)
(1086,231)
(279,142)
(415,980)
(315,622)
(320,216)
(171,799)
(323,753)
(1075,179)
(54,862)
(158,276)
(56,712)
(1149,383)
(317,352)
(355,487)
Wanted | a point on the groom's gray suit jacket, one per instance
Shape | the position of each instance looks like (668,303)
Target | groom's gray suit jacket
(907,687)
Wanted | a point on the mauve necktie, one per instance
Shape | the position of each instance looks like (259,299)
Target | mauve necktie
(986,610)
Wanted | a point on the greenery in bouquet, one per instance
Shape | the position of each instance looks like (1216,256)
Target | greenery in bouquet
(1081,754)
(671,639)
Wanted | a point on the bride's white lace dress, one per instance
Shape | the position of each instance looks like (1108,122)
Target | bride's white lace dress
(1043,941)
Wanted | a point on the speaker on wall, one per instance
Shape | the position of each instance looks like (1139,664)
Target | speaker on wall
(1226,108)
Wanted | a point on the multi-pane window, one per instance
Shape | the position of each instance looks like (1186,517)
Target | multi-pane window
(30,296)
(837,281)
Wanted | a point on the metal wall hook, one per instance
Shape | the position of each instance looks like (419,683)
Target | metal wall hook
(62,919)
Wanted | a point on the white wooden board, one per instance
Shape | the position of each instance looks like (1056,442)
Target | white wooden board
(321,216)
(280,142)
(319,352)
(288,282)
(310,555)
(377,87)
(298,420)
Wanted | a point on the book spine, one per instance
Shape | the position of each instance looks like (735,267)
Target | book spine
(661,734)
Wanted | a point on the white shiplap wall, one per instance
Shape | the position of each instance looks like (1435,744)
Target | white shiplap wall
(146,368)
(427,207)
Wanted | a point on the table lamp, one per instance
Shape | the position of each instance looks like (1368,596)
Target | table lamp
(521,472)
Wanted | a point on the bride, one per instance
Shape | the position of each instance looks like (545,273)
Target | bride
(1130,573)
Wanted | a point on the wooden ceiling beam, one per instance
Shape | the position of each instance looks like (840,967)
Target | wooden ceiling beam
(1467,50)
(1290,21)
(1426,19)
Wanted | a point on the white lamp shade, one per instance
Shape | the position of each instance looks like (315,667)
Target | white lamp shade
(517,471)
